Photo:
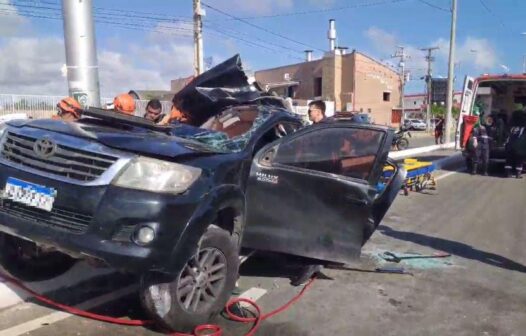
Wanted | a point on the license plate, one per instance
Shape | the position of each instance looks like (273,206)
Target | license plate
(30,194)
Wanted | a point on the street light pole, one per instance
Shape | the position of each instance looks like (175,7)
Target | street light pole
(451,70)
(400,53)
(81,54)
(198,38)
(430,59)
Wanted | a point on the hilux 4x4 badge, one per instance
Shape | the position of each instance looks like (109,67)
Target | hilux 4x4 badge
(262,177)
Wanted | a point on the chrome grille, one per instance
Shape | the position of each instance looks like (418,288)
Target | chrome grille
(59,219)
(66,161)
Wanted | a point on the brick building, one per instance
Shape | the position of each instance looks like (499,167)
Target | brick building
(354,81)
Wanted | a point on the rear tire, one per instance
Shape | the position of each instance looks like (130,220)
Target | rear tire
(201,288)
(25,261)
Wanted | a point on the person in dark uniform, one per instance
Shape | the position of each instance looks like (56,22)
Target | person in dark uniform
(482,145)
(516,145)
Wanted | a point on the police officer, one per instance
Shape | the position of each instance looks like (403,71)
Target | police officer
(516,145)
(482,144)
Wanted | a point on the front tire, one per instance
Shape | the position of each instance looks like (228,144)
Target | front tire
(200,290)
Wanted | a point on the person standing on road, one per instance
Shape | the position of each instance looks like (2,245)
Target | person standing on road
(316,111)
(439,131)
(516,145)
(481,142)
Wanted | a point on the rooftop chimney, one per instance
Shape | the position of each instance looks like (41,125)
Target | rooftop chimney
(308,55)
(331,34)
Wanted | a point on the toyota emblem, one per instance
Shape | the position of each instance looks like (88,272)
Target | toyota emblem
(44,148)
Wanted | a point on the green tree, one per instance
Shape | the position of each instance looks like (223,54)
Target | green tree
(440,111)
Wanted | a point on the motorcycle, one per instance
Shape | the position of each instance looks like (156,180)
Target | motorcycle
(401,139)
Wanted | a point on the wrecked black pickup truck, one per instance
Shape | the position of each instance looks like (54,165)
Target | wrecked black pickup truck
(176,203)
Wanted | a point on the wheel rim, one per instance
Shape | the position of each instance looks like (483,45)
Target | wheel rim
(202,280)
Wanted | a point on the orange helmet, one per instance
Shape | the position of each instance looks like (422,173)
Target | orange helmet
(124,103)
(69,105)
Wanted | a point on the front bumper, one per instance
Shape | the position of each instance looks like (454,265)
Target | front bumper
(99,221)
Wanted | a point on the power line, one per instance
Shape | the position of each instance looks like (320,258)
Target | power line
(492,13)
(260,28)
(434,6)
(97,13)
(327,10)
(119,11)
(254,44)
(123,25)
(215,26)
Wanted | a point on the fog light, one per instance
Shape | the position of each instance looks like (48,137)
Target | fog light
(144,235)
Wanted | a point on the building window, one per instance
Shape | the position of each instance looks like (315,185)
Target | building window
(415,102)
(387,96)
(317,87)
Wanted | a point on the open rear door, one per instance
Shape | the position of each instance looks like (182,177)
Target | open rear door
(466,105)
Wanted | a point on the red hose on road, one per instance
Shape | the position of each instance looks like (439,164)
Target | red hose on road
(202,330)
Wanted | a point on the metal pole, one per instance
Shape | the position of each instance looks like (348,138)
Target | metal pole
(402,89)
(81,54)
(198,38)
(400,53)
(430,59)
(524,64)
(451,70)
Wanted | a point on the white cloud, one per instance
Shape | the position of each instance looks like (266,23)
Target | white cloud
(32,66)
(383,41)
(10,21)
(485,57)
(322,3)
(260,7)
(478,53)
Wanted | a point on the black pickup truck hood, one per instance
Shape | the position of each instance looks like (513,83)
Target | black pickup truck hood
(130,139)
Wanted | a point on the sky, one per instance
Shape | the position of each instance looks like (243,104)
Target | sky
(145,44)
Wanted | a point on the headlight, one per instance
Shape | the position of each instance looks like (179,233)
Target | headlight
(158,176)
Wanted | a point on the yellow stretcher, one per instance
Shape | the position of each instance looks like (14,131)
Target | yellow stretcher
(419,175)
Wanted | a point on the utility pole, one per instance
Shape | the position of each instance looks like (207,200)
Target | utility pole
(81,53)
(451,70)
(400,53)
(198,38)
(430,59)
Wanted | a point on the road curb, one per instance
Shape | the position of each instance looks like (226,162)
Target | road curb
(420,150)
(449,161)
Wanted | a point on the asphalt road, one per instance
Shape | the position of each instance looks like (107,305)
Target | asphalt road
(479,290)
(420,139)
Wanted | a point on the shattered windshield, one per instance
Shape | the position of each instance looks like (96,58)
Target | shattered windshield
(230,131)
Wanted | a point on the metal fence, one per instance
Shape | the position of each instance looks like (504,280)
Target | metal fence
(37,106)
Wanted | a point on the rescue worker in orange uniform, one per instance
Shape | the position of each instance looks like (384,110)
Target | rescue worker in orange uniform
(68,109)
(176,114)
(124,103)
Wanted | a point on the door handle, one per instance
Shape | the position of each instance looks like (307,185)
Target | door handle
(358,201)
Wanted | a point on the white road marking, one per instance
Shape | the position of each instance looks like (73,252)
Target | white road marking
(446,175)
(419,150)
(253,294)
(59,315)
(10,295)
